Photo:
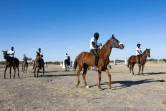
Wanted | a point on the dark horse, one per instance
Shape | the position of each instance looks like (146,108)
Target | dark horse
(38,64)
(9,63)
(132,60)
(25,65)
(67,64)
(86,59)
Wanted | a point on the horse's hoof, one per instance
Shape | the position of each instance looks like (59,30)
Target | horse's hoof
(87,87)
(99,87)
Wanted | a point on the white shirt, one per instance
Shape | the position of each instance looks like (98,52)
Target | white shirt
(66,57)
(41,54)
(93,40)
(138,50)
(23,57)
(11,53)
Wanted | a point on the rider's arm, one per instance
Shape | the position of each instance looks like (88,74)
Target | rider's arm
(93,44)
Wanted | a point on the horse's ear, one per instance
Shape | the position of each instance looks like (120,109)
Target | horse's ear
(3,51)
(112,35)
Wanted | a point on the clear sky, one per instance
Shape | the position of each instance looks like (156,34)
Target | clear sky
(66,26)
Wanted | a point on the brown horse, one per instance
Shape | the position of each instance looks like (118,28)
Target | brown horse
(132,60)
(38,64)
(86,59)
(9,63)
(67,64)
(25,65)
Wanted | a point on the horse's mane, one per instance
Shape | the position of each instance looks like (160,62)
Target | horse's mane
(145,51)
(105,45)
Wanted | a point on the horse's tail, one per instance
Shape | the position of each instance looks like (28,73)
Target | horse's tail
(75,64)
(128,62)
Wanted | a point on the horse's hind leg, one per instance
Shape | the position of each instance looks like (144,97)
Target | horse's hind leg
(133,68)
(18,71)
(78,75)
(84,75)
(130,69)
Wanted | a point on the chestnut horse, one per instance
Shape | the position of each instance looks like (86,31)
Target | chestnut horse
(38,64)
(132,60)
(86,59)
(25,65)
(9,63)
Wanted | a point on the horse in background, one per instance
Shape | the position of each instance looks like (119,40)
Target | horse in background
(9,63)
(132,60)
(67,64)
(25,65)
(86,59)
(38,64)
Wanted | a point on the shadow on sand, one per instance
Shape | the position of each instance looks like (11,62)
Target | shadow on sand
(129,83)
(155,73)
(57,75)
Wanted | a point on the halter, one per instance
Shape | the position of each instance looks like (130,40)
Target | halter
(116,45)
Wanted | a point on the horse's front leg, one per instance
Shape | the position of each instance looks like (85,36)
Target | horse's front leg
(109,78)
(34,71)
(99,78)
(43,70)
(139,69)
(5,72)
(14,71)
(38,72)
(18,71)
(143,69)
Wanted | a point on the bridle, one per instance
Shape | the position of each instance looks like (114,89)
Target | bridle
(116,45)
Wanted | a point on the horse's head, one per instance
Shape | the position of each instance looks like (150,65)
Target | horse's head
(5,54)
(147,52)
(37,55)
(115,43)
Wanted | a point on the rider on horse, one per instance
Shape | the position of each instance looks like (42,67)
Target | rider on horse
(41,55)
(24,58)
(138,53)
(67,57)
(11,54)
(94,47)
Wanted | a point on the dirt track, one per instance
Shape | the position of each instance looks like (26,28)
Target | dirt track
(57,91)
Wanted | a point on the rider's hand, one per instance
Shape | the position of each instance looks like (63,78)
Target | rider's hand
(100,44)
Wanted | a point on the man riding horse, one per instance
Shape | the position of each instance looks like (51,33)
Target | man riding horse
(11,54)
(94,48)
(138,53)
(41,55)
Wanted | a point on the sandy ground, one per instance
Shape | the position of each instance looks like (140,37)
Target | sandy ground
(57,91)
